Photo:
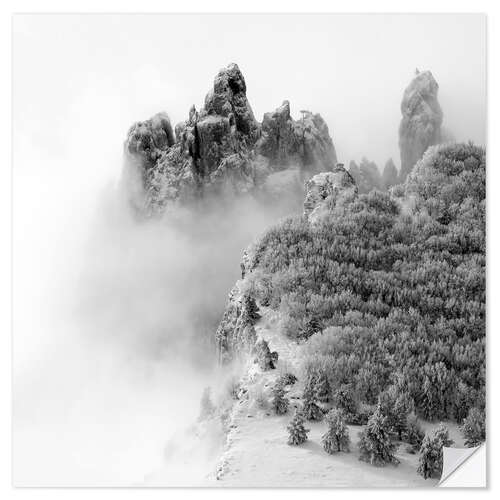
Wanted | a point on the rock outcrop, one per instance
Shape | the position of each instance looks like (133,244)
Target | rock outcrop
(421,123)
(223,149)
(324,190)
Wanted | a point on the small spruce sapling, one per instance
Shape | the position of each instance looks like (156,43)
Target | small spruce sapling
(336,437)
(375,444)
(279,401)
(297,433)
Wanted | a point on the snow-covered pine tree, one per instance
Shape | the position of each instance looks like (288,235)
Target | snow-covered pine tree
(429,458)
(413,433)
(322,387)
(430,463)
(264,356)
(443,435)
(400,411)
(297,433)
(207,408)
(336,437)
(375,444)
(251,309)
(474,428)
(311,410)
(344,400)
(279,401)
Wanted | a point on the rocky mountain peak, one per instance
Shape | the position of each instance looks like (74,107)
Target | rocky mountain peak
(223,149)
(421,122)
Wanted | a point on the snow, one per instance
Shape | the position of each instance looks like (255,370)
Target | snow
(256,454)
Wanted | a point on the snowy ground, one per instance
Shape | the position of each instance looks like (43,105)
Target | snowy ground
(256,454)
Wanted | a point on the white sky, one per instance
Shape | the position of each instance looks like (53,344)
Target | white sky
(104,72)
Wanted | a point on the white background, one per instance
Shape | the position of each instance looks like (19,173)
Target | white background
(267,6)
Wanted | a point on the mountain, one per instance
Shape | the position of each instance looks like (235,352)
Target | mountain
(223,150)
(385,289)
(420,125)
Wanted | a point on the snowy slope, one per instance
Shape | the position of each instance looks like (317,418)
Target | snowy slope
(251,449)
(257,453)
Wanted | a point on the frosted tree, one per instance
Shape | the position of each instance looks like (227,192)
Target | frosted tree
(207,408)
(297,433)
(344,400)
(474,428)
(430,463)
(322,387)
(429,458)
(336,437)
(395,406)
(375,444)
(443,435)
(311,410)
(279,400)
(264,357)
(251,309)
(413,433)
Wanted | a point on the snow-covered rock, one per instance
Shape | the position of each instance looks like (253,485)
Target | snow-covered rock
(421,122)
(222,149)
(324,190)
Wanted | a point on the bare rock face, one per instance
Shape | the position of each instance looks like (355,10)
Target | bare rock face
(305,142)
(324,190)
(147,140)
(222,149)
(421,123)
(229,99)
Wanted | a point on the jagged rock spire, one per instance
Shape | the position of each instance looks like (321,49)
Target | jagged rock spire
(421,122)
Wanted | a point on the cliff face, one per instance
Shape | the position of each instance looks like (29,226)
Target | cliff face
(324,191)
(222,149)
(421,122)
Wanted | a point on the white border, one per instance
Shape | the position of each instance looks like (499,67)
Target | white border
(491,8)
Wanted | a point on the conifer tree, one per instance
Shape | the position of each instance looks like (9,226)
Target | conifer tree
(279,401)
(474,428)
(344,400)
(429,458)
(430,463)
(297,433)
(401,410)
(322,387)
(264,356)
(311,410)
(413,432)
(336,437)
(375,444)
(251,309)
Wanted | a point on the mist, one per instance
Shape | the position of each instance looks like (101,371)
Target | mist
(114,318)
